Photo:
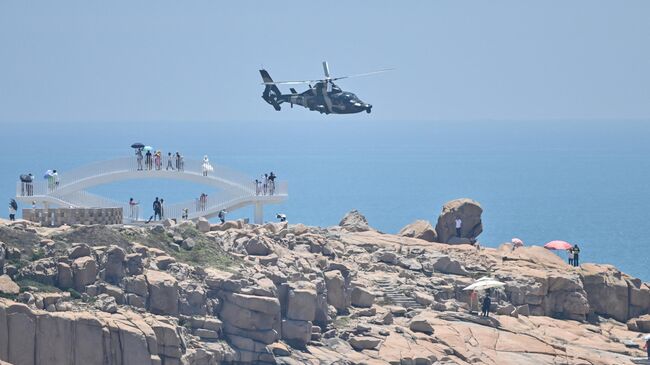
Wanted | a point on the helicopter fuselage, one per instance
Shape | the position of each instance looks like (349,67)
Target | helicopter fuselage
(333,101)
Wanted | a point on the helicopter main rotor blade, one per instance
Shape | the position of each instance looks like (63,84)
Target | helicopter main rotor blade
(364,74)
(326,70)
(291,82)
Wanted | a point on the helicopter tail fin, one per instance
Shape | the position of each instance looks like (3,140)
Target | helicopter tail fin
(271,91)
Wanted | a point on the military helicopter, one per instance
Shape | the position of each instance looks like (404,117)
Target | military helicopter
(325,96)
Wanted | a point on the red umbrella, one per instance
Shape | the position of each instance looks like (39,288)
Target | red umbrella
(558,245)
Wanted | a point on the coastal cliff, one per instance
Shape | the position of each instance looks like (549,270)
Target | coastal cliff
(199,293)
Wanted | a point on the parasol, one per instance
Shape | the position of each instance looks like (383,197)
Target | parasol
(485,283)
(137,145)
(558,245)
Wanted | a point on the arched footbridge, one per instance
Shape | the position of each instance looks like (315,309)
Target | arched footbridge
(235,189)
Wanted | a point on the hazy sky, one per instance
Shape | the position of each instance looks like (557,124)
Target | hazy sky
(97,61)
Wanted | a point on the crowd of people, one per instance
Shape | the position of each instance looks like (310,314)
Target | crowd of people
(265,185)
(27,182)
(154,160)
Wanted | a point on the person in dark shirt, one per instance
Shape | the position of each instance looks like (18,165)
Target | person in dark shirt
(157,209)
(576,255)
(487,302)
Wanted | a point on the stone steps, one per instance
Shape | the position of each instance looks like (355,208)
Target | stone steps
(395,296)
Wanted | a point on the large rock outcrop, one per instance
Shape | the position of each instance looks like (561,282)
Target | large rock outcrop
(420,229)
(469,211)
(307,295)
(354,221)
(33,337)
(163,292)
(613,293)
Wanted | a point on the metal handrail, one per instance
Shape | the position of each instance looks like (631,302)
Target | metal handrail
(239,189)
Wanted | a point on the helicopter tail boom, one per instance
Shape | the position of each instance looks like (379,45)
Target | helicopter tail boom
(271,92)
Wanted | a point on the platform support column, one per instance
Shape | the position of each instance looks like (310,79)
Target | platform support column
(259,213)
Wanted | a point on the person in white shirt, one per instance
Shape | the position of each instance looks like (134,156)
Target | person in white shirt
(459,224)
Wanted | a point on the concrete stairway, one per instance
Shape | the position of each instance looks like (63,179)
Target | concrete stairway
(393,295)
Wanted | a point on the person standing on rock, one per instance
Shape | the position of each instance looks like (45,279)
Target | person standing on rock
(646,347)
(13,208)
(473,297)
(487,302)
(459,224)
(575,251)
(222,216)
(162,208)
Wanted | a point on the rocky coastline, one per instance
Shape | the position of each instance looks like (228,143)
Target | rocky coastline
(198,293)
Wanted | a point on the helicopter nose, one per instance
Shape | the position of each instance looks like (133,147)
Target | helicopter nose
(368,108)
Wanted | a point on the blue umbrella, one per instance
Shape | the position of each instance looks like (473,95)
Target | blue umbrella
(148,148)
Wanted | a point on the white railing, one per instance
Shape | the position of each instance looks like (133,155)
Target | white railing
(130,164)
(198,207)
(85,199)
(238,188)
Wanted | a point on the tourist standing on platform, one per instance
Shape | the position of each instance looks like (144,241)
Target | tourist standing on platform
(49,175)
(26,187)
(257,187)
(169,161)
(13,208)
(158,160)
(148,160)
(178,161)
(272,183)
(138,153)
(156,209)
(181,163)
(55,176)
(265,184)
(459,225)
(203,201)
(133,206)
(206,167)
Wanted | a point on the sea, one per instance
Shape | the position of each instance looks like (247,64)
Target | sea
(585,182)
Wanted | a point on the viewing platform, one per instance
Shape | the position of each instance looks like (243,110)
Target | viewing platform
(234,189)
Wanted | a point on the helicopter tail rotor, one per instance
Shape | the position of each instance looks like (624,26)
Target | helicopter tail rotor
(271,92)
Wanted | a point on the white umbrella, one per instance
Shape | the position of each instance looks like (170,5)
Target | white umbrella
(485,284)
(646,337)
(484,278)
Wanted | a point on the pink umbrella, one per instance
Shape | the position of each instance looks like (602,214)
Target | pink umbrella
(558,245)
(516,242)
